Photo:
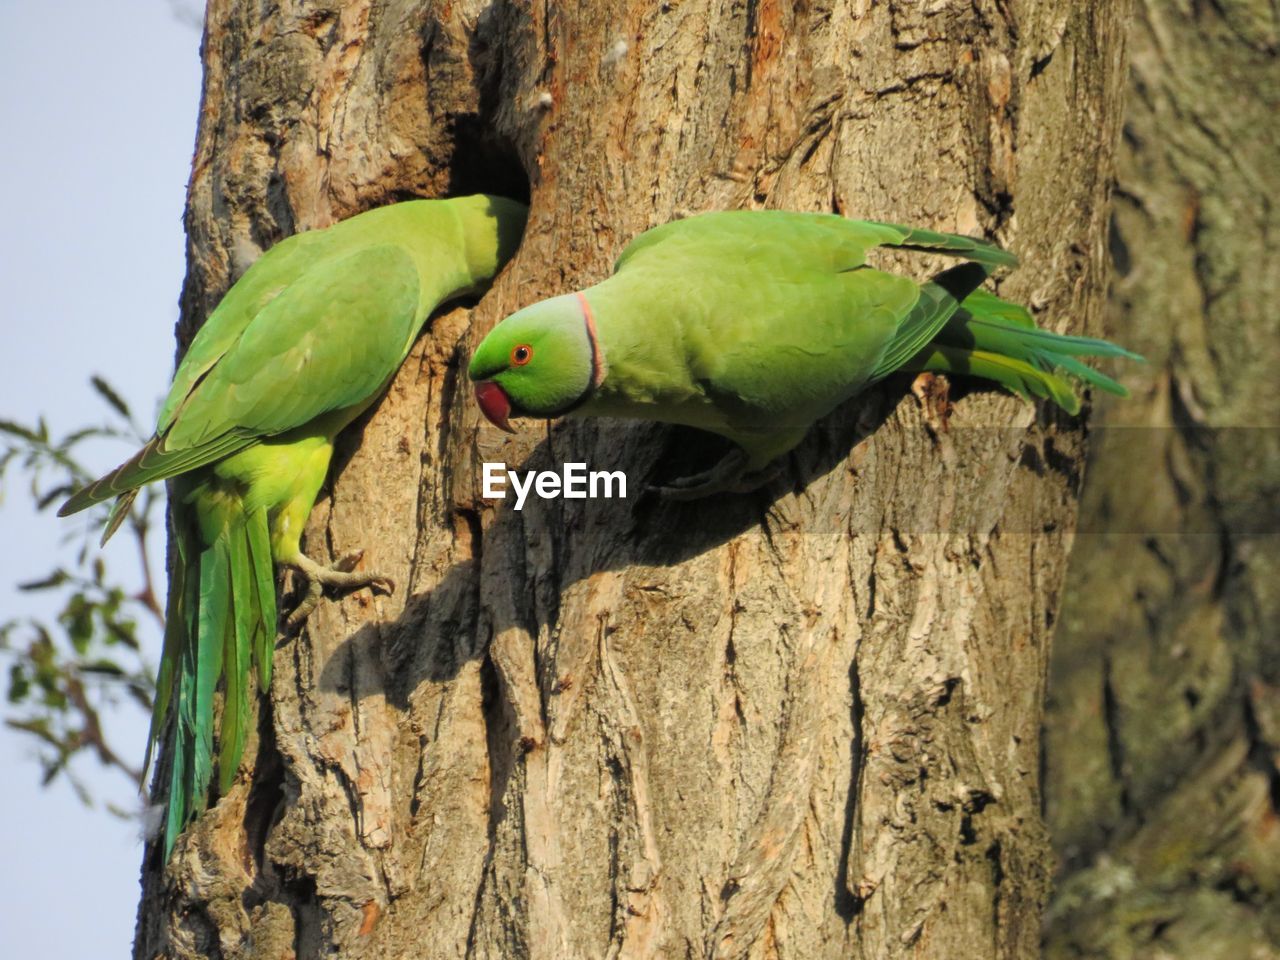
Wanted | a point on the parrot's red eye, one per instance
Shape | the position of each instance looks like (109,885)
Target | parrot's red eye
(521,355)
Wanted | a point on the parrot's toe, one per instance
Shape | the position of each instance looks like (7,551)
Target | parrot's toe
(353,581)
(310,600)
(340,577)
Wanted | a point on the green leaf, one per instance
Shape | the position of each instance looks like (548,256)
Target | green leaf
(122,631)
(17,430)
(55,698)
(57,674)
(77,618)
(19,684)
(109,394)
(55,579)
(71,439)
(105,668)
(57,493)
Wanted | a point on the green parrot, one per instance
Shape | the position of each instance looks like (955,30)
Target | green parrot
(304,342)
(753,324)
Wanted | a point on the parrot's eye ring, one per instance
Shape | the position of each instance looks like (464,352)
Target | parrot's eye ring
(521,355)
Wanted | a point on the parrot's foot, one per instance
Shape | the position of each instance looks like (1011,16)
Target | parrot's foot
(730,475)
(933,392)
(341,577)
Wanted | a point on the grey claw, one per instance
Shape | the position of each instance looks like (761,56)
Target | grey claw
(340,576)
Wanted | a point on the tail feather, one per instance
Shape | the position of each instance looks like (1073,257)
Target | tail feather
(985,304)
(175,634)
(246,622)
(1000,341)
(1086,374)
(174,817)
(178,694)
(222,618)
(212,624)
(1014,375)
(971,248)
(264,583)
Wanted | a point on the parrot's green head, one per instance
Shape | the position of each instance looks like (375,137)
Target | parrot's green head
(542,361)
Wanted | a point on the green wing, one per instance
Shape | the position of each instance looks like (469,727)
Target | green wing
(816,240)
(322,339)
(938,301)
(326,343)
(780,315)
(268,277)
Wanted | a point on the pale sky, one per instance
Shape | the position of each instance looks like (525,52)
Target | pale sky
(97,122)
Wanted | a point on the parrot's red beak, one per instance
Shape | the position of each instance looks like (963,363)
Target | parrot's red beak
(494,404)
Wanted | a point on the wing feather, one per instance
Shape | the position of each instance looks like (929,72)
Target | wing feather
(328,339)
(781,318)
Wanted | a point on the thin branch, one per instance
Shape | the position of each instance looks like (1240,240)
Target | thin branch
(90,734)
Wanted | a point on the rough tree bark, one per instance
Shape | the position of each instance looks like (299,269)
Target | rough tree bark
(803,723)
(1163,732)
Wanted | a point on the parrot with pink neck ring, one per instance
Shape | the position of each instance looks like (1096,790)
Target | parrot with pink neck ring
(754,324)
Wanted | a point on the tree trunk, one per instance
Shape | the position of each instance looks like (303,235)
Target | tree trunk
(800,723)
(1164,722)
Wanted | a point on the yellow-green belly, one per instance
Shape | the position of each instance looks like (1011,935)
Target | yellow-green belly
(281,475)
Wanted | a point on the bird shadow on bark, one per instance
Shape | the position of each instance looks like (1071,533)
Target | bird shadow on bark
(464,617)
(442,628)
(497,613)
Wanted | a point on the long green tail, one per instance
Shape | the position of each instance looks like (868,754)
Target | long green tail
(221,619)
(998,340)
